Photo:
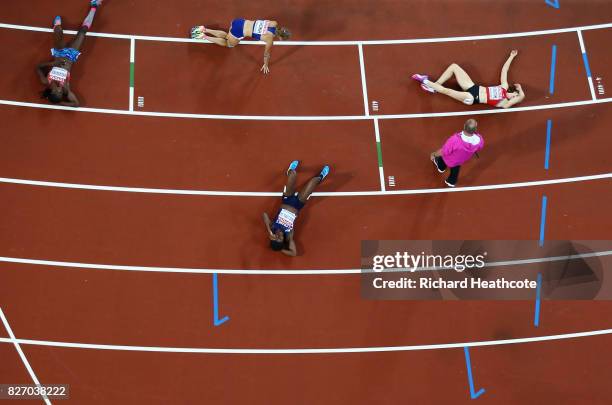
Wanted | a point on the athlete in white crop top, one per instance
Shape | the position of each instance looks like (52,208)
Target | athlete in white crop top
(55,75)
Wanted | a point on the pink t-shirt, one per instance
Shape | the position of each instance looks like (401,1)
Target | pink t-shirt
(460,147)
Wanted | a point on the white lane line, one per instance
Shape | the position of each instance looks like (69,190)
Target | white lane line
(585,60)
(131,102)
(132,72)
(25,361)
(364,85)
(381,170)
(603,176)
(338,350)
(306,117)
(327,43)
(253,272)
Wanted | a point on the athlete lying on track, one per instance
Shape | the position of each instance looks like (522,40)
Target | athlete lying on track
(500,96)
(240,28)
(55,75)
(280,231)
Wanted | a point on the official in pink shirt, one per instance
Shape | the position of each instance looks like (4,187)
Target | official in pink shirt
(457,150)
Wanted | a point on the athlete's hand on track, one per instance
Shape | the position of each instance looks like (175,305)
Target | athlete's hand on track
(265,69)
(514,52)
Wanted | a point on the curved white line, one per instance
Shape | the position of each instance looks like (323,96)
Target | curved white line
(305,117)
(305,351)
(535,183)
(253,272)
(325,43)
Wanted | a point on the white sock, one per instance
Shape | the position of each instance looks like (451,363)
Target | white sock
(426,81)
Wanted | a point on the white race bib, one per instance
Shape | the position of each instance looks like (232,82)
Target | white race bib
(58,74)
(286,218)
(260,27)
(495,93)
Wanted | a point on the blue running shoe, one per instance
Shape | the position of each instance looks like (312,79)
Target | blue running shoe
(95,3)
(324,172)
(293,166)
(57,21)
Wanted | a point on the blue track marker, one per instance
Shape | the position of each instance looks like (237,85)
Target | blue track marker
(553,65)
(543,220)
(585,59)
(553,3)
(536,316)
(216,319)
(468,364)
(547,153)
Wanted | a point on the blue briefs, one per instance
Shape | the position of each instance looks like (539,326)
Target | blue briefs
(237,28)
(68,53)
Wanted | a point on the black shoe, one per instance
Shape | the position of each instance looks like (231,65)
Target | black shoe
(436,164)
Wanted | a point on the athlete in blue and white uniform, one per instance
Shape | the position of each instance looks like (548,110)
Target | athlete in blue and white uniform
(259,30)
(55,75)
(280,230)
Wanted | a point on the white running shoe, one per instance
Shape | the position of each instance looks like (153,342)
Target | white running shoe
(427,88)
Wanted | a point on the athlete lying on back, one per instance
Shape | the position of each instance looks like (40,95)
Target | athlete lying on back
(280,231)
(55,75)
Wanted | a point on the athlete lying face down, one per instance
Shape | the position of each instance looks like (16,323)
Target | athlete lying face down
(260,30)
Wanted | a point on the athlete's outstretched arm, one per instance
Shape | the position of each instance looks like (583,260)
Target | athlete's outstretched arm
(265,68)
(506,67)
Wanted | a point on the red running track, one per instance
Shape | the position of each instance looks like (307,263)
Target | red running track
(174,310)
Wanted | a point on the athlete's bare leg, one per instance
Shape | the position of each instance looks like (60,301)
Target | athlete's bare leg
(219,41)
(77,43)
(462,96)
(216,33)
(289,189)
(312,184)
(464,80)
(58,33)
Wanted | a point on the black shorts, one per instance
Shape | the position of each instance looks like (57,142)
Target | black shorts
(293,201)
(475,92)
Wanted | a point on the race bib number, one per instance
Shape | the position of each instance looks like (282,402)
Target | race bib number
(58,74)
(261,26)
(286,219)
(495,93)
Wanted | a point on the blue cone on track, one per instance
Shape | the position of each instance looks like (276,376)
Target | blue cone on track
(293,165)
(324,172)
(57,21)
